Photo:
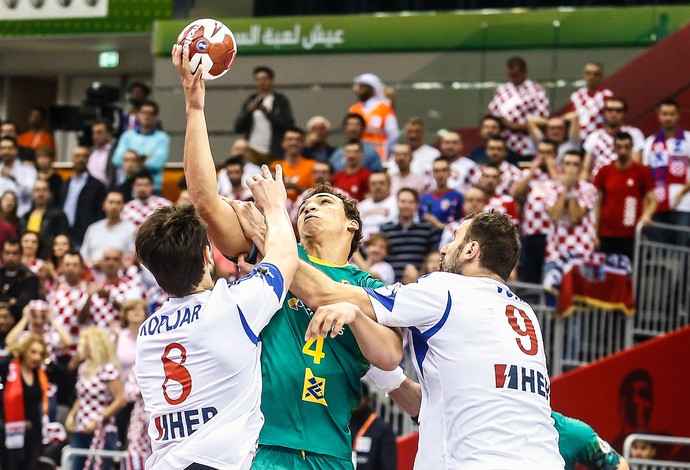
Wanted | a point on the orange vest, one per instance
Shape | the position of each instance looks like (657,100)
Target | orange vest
(375,131)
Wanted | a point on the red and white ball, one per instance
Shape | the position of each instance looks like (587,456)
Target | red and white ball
(211,46)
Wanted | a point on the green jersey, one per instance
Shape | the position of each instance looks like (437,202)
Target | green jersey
(310,388)
(578,443)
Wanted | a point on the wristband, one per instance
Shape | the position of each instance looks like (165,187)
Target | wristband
(387,381)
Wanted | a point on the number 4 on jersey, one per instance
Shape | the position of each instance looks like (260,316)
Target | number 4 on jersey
(317,353)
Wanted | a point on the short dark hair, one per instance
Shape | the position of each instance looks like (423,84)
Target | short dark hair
(234,161)
(518,62)
(550,142)
(577,153)
(10,139)
(106,122)
(620,100)
(143,174)
(669,102)
(359,117)
(442,159)
(295,129)
(266,69)
(351,211)
(13,242)
(499,240)
(144,87)
(356,142)
(73,252)
(414,193)
(153,104)
(623,136)
(499,138)
(496,119)
(171,244)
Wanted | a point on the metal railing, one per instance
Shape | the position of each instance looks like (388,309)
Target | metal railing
(654,464)
(68,453)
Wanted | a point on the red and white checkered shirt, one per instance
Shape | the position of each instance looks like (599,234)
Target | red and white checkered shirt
(515,103)
(138,211)
(463,173)
(588,107)
(505,204)
(102,310)
(66,301)
(535,218)
(35,265)
(568,238)
(94,396)
(510,174)
(600,145)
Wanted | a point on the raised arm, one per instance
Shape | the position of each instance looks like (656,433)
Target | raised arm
(199,167)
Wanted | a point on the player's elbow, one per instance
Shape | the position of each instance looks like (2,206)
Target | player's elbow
(388,357)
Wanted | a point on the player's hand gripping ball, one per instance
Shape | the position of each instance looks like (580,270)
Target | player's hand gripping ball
(211,46)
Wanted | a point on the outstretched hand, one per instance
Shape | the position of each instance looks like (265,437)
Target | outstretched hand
(269,193)
(251,220)
(192,84)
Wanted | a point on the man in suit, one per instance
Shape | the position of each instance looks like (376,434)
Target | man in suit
(82,197)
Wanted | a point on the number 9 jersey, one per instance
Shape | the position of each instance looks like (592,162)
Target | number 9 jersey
(199,371)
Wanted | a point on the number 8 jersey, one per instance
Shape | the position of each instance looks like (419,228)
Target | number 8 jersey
(199,371)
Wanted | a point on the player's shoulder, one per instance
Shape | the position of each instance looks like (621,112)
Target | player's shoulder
(573,431)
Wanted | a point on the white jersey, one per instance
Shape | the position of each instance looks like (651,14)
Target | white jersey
(375,214)
(480,358)
(199,370)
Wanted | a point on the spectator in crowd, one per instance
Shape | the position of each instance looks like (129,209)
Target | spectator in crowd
(497,153)
(641,449)
(316,145)
(514,102)
(667,153)
(354,177)
(99,397)
(491,180)
(82,197)
(598,146)
(376,252)
(145,202)
(474,200)
(381,124)
(110,232)
(38,134)
(264,117)
(373,440)
(321,173)
(443,205)
(100,159)
(139,93)
(15,176)
(379,208)
(32,251)
(8,216)
(132,315)
(401,174)
(62,244)
(536,223)
(429,265)
(297,170)
(588,102)
(626,197)
(148,141)
(44,166)
(570,204)
(138,441)
(463,170)
(25,401)
(19,285)
(565,131)
(423,155)
(230,179)
(9,128)
(38,319)
(123,179)
(239,150)
(112,291)
(490,126)
(410,241)
(43,218)
(70,300)
(7,322)
(353,129)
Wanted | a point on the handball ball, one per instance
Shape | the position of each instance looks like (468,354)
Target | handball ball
(211,46)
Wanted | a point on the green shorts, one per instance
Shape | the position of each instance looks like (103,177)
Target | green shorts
(284,458)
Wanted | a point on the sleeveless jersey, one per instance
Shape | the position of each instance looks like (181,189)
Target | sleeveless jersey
(579,444)
(480,358)
(310,388)
(199,371)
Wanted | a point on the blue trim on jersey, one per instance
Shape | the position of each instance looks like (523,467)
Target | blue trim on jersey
(420,341)
(270,273)
(252,337)
(385,300)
